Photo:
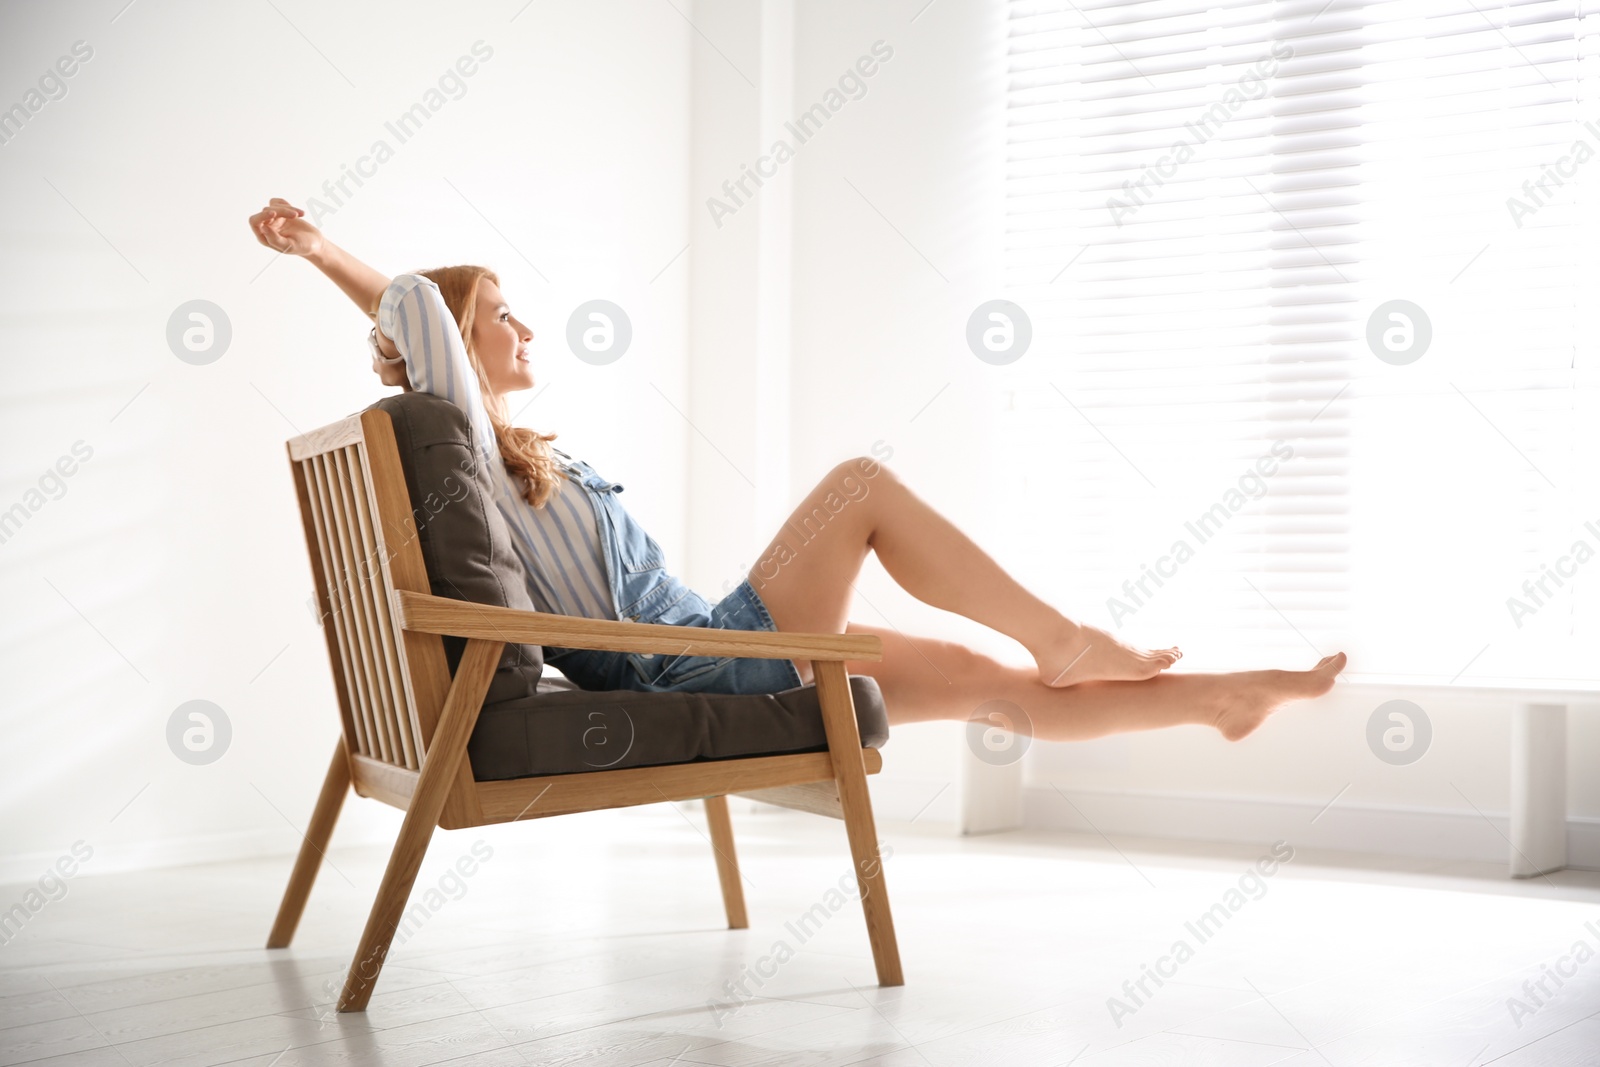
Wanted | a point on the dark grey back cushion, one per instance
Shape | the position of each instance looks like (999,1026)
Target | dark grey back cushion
(531,725)
(466,545)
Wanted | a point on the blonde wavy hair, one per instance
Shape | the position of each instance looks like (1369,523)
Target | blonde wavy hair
(526,453)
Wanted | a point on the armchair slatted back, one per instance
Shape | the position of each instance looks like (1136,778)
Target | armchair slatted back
(362,542)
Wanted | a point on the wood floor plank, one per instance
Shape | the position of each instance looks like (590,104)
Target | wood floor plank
(1159,1050)
(105,1056)
(441,1040)
(616,1045)
(40,1006)
(207,1046)
(176,982)
(56,1037)
(398,1007)
(1577,1045)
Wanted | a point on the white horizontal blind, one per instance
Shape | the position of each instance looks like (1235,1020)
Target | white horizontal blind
(1206,204)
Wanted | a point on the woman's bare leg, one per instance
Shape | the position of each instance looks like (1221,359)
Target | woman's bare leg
(923,678)
(808,572)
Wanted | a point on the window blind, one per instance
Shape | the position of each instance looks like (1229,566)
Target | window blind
(1311,287)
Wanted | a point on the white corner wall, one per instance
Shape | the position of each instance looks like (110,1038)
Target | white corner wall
(171,566)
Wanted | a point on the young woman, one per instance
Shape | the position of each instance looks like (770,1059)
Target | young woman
(450,332)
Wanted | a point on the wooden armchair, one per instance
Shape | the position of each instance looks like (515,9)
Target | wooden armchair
(406,722)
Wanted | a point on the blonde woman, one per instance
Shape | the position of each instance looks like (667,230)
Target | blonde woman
(451,332)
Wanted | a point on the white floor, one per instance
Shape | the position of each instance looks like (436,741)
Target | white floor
(598,940)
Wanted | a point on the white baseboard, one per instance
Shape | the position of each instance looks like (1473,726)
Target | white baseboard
(1421,833)
(1583,843)
(24,868)
(143,855)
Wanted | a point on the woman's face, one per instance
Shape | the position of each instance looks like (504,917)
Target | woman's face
(500,341)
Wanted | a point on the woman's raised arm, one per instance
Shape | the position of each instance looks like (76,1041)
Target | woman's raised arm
(283,228)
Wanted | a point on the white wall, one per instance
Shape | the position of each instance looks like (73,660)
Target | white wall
(878,332)
(897,234)
(173,566)
(739,293)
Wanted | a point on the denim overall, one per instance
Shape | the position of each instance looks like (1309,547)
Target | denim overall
(643,591)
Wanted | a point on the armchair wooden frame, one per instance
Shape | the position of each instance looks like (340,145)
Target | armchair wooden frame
(406,721)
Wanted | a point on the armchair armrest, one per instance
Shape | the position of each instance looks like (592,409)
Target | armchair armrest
(422,613)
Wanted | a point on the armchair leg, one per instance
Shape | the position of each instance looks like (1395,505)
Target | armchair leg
(444,754)
(727,862)
(323,817)
(844,745)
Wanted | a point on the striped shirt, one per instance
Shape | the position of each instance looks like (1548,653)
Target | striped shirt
(559,544)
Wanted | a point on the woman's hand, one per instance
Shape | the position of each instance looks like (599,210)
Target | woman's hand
(282,227)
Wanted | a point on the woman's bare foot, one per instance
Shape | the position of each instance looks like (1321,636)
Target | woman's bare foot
(1089,654)
(1246,698)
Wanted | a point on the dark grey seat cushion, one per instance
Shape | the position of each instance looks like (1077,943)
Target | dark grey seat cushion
(568,729)
(533,725)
